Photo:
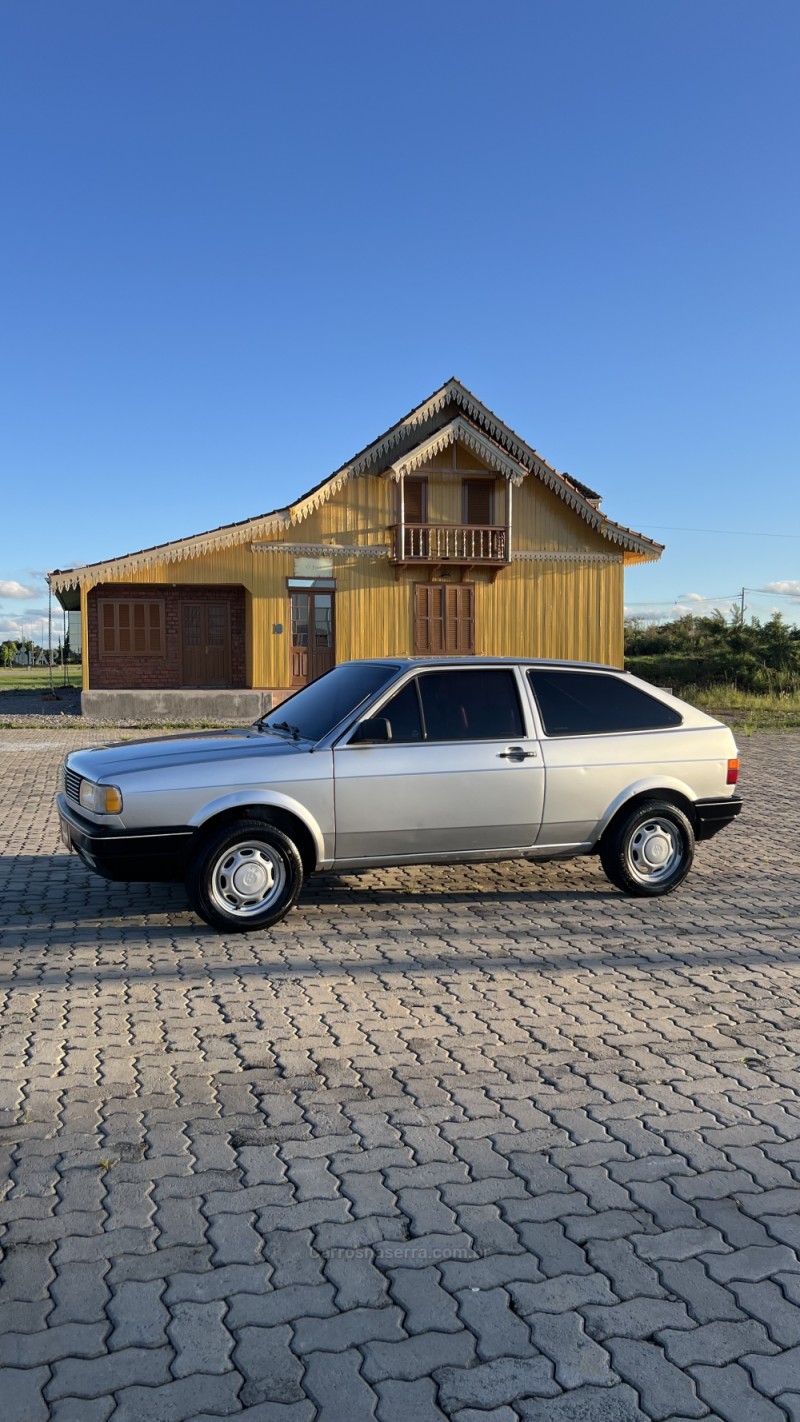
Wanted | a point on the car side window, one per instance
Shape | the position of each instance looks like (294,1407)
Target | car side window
(403,714)
(575,703)
(471,705)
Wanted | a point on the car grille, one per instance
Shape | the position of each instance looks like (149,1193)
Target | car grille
(72,785)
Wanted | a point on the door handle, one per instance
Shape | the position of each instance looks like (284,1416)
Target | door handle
(517,753)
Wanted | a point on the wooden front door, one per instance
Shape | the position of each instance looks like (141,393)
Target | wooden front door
(313,649)
(444,619)
(206,644)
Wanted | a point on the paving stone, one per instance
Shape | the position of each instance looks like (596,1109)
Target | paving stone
(577,1358)
(94,1377)
(568,1291)
(80,1293)
(706,1300)
(499,1331)
(491,1384)
(414,1402)
(22,1392)
(358,1283)
(235,1240)
(555,1253)
(158,1265)
(765,1301)
(335,1383)
(201,1341)
(751,1264)
(637,1318)
(30,1350)
(479,1414)
(774,1375)
(614,1109)
(417,1357)
(138,1315)
(730,1392)
(293,1257)
(423,1251)
(495,1269)
(227,1280)
(629,1276)
(679,1244)
(662,1388)
(266,1310)
(271,1371)
(348,1330)
(26,1272)
(426,1305)
(179,1401)
(80,1409)
(584,1404)
(715,1343)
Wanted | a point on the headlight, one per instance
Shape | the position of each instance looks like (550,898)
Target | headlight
(102,799)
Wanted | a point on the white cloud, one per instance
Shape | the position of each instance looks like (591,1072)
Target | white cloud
(10,588)
(790,587)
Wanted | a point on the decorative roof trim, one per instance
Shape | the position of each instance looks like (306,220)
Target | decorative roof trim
(228,536)
(459,432)
(320,550)
(557,555)
(498,445)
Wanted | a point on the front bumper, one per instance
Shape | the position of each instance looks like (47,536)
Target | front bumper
(136,857)
(713,815)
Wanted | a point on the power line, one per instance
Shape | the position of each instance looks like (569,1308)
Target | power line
(727,532)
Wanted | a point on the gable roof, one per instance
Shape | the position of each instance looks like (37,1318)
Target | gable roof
(452,413)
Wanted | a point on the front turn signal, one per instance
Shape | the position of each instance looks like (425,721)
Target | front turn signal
(733,771)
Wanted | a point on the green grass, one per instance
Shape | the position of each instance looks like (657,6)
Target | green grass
(37,678)
(747,711)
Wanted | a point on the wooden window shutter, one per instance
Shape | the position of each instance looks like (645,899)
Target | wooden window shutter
(428,620)
(415,500)
(459,619)
(478,501)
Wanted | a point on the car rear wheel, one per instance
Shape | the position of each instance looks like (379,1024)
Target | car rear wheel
(244,877)
(648,850)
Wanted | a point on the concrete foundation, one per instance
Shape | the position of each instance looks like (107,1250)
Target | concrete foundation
(180,705)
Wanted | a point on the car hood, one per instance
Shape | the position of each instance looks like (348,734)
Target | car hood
(128,757)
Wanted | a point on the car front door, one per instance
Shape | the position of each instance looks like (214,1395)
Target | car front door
(462,772)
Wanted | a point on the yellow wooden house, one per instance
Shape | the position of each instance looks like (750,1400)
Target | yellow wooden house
(448,533)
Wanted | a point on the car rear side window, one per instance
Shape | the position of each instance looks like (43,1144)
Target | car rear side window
(471,705)
(576,703)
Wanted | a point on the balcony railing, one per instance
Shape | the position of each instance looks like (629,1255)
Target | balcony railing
(449,543)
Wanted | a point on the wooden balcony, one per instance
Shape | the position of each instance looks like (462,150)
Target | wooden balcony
(438,543)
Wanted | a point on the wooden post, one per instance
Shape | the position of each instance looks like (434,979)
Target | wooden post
(509,487)
(402,549)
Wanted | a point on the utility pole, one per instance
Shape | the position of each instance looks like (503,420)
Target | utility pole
(743,592)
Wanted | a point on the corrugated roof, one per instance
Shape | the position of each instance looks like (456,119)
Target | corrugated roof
(375,457)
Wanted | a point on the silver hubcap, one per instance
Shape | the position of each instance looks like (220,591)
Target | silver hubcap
(654,851)
(247,878)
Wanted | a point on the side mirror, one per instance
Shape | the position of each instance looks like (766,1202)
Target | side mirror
(374,728)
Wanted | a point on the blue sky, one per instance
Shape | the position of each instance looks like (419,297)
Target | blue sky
(240,239)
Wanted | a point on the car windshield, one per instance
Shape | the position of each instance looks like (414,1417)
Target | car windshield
(313,712)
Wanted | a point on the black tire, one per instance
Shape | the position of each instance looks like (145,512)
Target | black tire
(648,850)
(217,877)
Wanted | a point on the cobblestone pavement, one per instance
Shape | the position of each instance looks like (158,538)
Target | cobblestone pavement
(491,1144)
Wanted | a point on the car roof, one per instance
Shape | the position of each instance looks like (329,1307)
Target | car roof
(469,661)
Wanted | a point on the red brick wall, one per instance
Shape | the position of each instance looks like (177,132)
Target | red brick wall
(132,672)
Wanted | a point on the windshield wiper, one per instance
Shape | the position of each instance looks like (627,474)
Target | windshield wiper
(294,731)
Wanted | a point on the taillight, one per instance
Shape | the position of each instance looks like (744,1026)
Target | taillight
(733,771)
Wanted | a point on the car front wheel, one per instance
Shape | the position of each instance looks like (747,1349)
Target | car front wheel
(648,850)
(245,877)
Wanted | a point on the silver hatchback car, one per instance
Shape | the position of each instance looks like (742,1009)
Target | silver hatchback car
(400,761)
